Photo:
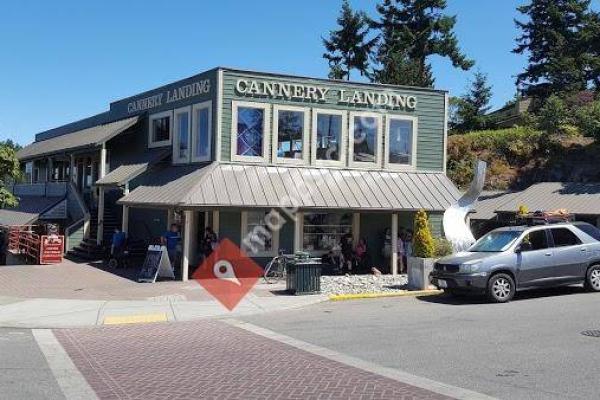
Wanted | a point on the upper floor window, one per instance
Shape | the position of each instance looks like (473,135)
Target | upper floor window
(365,139)
(160,129)
(328,145)
(400,142)
(250,124)
(290,135)
(181,142)
(201,137)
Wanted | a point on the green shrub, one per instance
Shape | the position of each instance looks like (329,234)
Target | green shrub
(553,115)
(443,247)
(423,244)
(587,119)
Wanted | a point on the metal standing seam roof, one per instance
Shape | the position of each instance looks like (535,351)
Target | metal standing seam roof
(124,173)
(89,137)
(487,203)
(577,198)
(229,185)
(28,210)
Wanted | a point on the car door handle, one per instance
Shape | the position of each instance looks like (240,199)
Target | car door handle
(583,250)
(548,254)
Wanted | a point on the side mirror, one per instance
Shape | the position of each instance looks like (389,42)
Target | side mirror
(525,246)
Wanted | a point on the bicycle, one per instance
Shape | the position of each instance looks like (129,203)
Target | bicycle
(276,268)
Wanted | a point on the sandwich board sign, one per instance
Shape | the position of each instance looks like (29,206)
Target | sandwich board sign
(156,264)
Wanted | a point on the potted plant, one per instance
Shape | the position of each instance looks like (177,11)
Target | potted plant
(421,262)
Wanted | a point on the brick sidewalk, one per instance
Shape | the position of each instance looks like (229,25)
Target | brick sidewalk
(213,360)
(81,281)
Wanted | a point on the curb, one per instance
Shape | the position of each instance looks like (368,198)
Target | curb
(404,293)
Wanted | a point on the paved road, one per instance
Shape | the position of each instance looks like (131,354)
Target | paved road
(24,372)
(530,348)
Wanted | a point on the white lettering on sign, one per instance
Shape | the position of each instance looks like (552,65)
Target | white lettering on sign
(281,90)
(170,96)
(293,91)
(377,99)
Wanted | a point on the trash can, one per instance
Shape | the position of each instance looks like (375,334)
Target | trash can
(304,276)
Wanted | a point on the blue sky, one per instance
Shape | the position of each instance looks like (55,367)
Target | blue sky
(65,60)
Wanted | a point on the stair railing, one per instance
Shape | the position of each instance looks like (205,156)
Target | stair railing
(83,220)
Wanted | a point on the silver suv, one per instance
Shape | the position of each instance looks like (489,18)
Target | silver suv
(521,257)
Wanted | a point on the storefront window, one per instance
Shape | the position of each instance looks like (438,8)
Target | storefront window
(201,139)
(323,232)
(290,134)
(329,136)
(400,137)
(258,239)
(250,131)
(365,138)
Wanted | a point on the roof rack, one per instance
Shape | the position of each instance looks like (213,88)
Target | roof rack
(545,217)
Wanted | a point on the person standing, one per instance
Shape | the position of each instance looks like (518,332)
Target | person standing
(209,241)
(171,239)
(3,246)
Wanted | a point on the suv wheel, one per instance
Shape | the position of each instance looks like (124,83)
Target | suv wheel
(592,280)
(501,288)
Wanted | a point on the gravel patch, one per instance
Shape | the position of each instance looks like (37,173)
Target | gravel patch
(355,284)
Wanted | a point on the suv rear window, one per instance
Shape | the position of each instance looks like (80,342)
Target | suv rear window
(564,237)
(589,229)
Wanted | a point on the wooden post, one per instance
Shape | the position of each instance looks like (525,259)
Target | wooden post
(72,169)
(355,228)
(100,233)
(187,233)
(125,221)
(394,257)
(215,222)
(102,168)
(298,226)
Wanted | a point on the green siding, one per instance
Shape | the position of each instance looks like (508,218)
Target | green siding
(230,225)
(429,111)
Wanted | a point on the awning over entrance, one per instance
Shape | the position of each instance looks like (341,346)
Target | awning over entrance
(228,185)
(90,137)
(31,208)
(124,173)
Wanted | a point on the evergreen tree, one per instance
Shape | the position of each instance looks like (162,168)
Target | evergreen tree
(472,106)
(554,39)
(409,32)
(9,171)
(348,47)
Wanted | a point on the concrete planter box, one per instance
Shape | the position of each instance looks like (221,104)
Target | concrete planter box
(418,272)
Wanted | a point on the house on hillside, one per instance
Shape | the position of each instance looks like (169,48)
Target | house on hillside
(511,114)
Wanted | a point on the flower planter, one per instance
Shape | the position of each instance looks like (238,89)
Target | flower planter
(418,272)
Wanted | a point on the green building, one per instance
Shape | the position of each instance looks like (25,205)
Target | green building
(226,147)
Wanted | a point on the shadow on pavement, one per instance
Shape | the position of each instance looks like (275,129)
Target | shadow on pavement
(469,299)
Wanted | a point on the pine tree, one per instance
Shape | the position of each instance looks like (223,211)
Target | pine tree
(558,53)
(409,32)
(472,106)
(348,47)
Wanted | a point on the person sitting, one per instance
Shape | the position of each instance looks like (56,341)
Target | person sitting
(361,253)
(209,241)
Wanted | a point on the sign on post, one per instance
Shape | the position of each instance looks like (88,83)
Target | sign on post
(156,264)
(51,249)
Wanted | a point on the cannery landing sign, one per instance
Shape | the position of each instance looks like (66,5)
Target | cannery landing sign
(169,96)
(320,94)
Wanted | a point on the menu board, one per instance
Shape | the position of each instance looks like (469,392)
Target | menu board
(51,249)
(156,264)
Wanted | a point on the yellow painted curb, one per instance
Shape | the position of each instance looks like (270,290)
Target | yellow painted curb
(135,319)
(403,293)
